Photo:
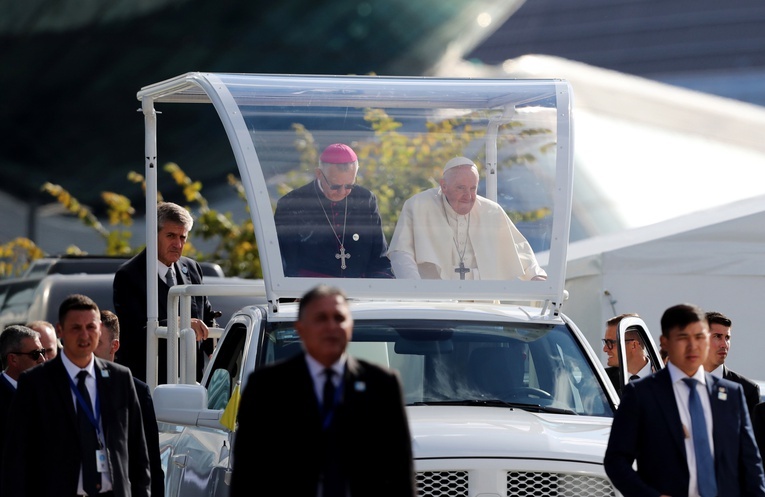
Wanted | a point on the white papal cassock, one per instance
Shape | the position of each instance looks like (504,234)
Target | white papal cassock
(430,239)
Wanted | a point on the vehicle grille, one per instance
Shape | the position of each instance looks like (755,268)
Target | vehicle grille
(519,484)
(442,484)
(527,484)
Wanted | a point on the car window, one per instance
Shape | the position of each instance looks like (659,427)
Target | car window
(472,362)
(227,366)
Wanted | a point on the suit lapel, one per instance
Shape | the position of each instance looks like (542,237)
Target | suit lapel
(104,385)
(665,395)
(62,386)
(718,401)
(6,385)
(182,272)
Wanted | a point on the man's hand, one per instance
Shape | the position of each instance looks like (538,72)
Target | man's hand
(200,328)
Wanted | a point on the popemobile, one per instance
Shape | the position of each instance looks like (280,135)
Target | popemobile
(368,184)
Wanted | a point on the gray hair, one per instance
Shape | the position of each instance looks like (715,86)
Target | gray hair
(173,213)
(344,166)
(11,338)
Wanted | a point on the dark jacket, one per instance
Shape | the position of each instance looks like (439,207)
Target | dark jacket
(130,306)
(751,389)
(647,429)
(310,248)
(44,425)
(280,443)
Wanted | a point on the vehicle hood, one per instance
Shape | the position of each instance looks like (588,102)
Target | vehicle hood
(464,432)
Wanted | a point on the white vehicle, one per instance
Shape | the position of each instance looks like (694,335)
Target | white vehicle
(504,395)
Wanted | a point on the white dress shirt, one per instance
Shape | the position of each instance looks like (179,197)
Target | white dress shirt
(681,397)
(90,383)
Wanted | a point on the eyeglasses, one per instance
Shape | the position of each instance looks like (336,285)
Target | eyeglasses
(347,186)
(610,343)
(33,354)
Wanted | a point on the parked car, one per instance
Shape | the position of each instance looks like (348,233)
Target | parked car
(16,295)
(94,264)
(53,289)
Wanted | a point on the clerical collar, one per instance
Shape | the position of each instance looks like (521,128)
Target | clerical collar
(323,196)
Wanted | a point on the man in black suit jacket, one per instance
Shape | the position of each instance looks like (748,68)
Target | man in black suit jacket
(301,436)
(331,227)
(654,424)
(108,345)
(20,349)
(612,359)
(173,225)
(44,416)
(719,347)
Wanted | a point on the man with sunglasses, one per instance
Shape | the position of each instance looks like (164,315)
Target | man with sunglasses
(638,364)
(331,226)
(48,337)
(20,349)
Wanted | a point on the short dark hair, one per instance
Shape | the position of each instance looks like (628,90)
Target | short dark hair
(714,317)
(76,302)
(110,320)
(317,293)
(680,316)
(11,338)
(614,321)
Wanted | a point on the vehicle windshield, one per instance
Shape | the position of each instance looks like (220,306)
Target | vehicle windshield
(537,367)
(354,178)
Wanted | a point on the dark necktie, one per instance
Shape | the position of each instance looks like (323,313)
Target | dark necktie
(333,482)
(91,478)
(634,377)
(328,402)
(170,277)
(705,463)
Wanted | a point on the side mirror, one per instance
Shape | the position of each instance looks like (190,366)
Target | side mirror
(179,404)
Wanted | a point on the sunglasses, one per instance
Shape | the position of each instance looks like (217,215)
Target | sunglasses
(34,354)
(347,186)
(610,343)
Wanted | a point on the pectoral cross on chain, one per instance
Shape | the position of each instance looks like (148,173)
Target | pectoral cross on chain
(343,256)
(462,270)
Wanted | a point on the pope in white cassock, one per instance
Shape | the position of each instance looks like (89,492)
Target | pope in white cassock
(452,233)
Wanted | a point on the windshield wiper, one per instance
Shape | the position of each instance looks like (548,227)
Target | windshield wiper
(496,403)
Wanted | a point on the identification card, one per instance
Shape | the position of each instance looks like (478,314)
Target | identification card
(101,465)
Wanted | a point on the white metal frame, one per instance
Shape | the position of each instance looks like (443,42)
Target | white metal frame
(210,88)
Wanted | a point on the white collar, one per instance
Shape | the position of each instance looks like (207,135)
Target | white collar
(718,371)
(317,369)
(72,369)
(162,269)
(677,375)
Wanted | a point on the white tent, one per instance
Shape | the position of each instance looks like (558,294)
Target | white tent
(713,258)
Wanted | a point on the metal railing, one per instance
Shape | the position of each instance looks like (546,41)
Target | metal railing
(179,334)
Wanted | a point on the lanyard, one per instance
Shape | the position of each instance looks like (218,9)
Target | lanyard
(94,419)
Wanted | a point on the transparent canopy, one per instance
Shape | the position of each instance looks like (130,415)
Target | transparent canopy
(355,228)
